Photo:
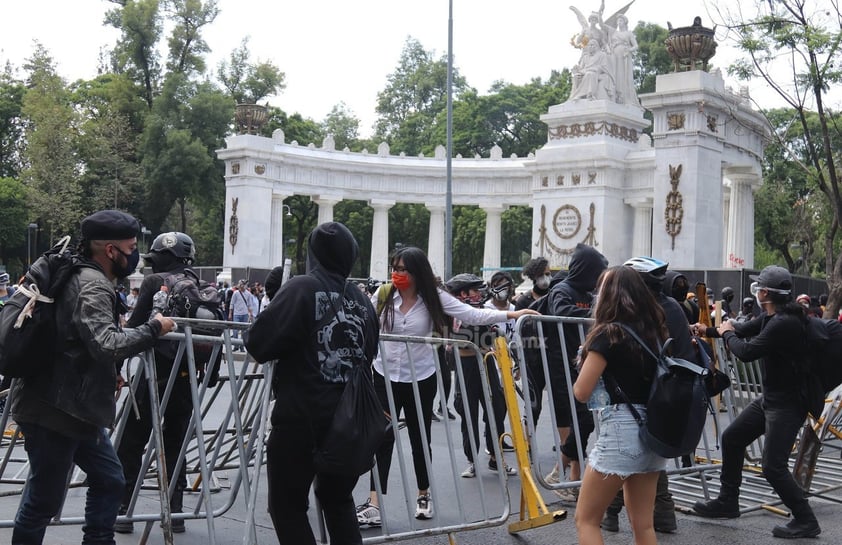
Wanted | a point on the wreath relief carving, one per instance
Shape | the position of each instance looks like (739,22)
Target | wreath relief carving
(674,210)
(234,227)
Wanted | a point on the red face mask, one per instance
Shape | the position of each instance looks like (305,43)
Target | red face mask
(401,280)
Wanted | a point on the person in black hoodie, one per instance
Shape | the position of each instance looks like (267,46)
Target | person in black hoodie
(311,369)
(572,297)
(677,287)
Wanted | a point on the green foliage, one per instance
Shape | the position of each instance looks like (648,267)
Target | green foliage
(358,216)
(516,246)
(652,57)
(11,126)
(248,82)
(297,226)
(296,128)
(136,54)
(344,126)
(186,45)
(796,38)
(51,174)
(468,239)
(15,221)
(415,95)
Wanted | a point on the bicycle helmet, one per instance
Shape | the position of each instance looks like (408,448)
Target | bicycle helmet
(464,282)
(653,271)
(4,278)
(174,243)
(728,294)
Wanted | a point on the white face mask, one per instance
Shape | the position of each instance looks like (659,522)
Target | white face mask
(502,295)
(542,282)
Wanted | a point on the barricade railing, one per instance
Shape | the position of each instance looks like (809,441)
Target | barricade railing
(460,504)
(548,361)
(225,435)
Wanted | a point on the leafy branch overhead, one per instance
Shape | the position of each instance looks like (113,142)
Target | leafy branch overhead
(249,82)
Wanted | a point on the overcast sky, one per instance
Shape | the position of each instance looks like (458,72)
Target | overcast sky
(343,50)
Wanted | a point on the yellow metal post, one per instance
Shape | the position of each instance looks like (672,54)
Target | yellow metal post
(533,510)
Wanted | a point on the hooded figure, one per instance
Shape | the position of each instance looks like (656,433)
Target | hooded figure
(317,327)
(677,287)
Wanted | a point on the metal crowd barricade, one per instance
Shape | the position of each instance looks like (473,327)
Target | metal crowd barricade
(225,436)
(530,335)
(460,504)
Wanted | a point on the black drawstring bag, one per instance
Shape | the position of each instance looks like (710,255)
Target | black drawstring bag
(358,426)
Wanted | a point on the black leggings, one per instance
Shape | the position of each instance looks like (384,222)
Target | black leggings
(405,400)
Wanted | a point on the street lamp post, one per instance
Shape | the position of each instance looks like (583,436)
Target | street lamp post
(145,232)
(29,239)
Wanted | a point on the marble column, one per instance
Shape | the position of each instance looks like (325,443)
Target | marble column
(326,204)
(276,230)
(739,246)
(379,265)
(435,244)
(642,229)
(493,239)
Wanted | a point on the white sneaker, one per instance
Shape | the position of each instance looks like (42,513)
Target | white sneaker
(568,495)
(367,514)
(552,477)
(469,472)
(424,509)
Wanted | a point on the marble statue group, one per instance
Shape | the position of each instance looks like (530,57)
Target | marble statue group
(605,70)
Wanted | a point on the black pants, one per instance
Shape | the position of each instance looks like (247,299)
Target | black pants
(136,434)
(474,400)
(290,472)
(405,401)
(780,423)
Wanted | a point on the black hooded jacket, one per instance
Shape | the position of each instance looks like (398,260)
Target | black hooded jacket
(572,296)
(316,328)
(691,309)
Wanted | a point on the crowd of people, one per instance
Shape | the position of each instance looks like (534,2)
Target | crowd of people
(317,327)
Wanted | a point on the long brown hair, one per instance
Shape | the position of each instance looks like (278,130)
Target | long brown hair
(417,264)
(623,297)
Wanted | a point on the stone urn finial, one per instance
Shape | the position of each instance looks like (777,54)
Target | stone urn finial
(691,47)
(250,118)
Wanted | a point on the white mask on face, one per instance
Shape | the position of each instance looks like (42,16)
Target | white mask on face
(542,282)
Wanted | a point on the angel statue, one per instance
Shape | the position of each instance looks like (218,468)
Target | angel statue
(614,47)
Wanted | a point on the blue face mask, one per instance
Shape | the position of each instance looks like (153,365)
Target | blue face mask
(132,260)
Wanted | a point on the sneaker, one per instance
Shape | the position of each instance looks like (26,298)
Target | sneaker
(568,495)
(436,416)
(717,508)
(798,528)
(424,509)
(368,515)
(507,447)
(450,415)
(610,523)
(470,472)
(492,465)
(552,477)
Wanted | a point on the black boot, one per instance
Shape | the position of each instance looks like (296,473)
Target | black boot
(723,507)
(798,528)
(123,527)
(664,516)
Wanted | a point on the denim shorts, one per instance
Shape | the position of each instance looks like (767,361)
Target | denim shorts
(619,450)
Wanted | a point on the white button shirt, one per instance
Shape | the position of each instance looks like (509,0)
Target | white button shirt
(418,323)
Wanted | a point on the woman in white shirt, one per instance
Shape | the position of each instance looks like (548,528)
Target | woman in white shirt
(414,306)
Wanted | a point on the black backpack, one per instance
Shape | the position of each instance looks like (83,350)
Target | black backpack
(824,338)
(190,297)
(28,319)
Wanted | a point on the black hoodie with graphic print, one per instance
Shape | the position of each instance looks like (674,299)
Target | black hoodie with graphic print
(315,329)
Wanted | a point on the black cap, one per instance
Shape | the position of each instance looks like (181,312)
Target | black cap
(774,277)
(109,225)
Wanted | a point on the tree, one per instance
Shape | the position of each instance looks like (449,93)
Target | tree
(11,126)
(652,57)
(186,45)
(15,220)
(344,126)
(249,82)
(136,53)
(791,37)
(51,174)
(415,95)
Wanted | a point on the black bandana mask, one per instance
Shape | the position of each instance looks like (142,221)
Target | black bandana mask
(132,259)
